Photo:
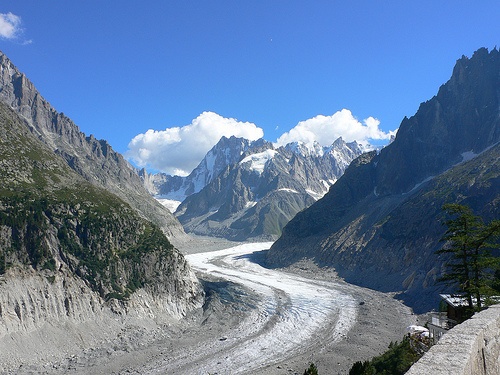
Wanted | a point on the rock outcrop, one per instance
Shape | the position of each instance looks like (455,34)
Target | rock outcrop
(381,223)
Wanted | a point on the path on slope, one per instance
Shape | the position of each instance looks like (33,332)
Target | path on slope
(293,315)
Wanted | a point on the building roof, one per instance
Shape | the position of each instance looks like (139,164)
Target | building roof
(456,300)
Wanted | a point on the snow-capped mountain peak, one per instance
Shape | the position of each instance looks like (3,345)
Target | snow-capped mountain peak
(226,152)
(306,168)
(257,195)
(258,161)
(305,149)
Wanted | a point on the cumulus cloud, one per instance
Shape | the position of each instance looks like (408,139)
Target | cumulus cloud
(10,28)
(10,25)
(179,150)
(326,129)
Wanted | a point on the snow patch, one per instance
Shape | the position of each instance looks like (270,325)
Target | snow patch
(210,164)
(306,149)
(315,195)
(250,204)
(466,156)
(170,204)
(258,161)
(199,182)
(289,190)
(328,183)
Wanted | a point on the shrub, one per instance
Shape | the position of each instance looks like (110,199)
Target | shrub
(395,361)
(312,370)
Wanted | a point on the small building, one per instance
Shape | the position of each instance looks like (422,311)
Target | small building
(451,312)
(455,306)
(453,309)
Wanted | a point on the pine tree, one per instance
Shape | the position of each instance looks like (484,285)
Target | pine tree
(471,266)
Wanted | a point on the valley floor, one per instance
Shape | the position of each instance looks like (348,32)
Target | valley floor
(256,321)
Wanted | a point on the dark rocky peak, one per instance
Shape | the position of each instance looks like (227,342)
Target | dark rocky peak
(462,117)
(143,174)
(474,67)
(381,222)
(53,128)
(227,151)
(261,143)
(339,147)
(231,143)
(234,146)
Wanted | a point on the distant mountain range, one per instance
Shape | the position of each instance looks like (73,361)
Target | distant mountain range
(249,190)
(381,223)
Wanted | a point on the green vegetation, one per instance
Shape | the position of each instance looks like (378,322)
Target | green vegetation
(311,370)
(395,361)
(25,216)
(399,357)
(103,240)
(471,267)
(49,215)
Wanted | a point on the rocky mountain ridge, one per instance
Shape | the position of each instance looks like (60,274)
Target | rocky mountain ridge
(226,152)
(256,196)
(54,222)
(93,159)
(78,265)
(383,216)
(172,190)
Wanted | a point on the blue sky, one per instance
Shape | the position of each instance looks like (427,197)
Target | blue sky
(119,68)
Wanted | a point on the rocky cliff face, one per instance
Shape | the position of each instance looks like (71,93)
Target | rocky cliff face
(462,117)
(258,194)
(380,224)
(93,159)
(73,254)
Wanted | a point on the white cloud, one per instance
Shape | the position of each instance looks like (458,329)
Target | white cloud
(10,28)
(10,25)
(326,129)
(179,150)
